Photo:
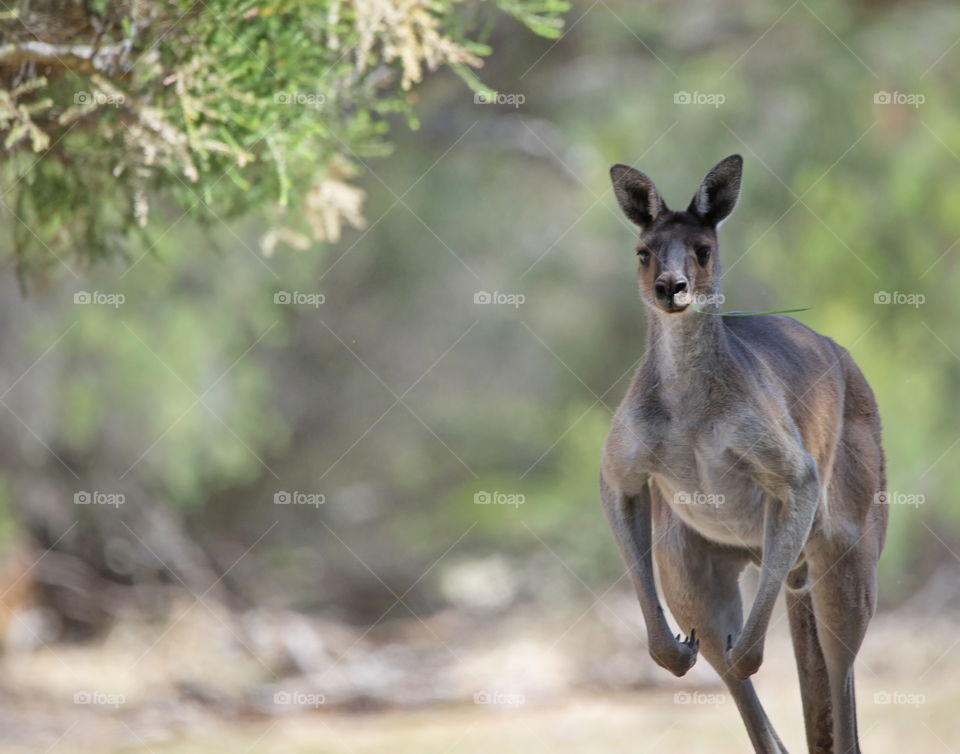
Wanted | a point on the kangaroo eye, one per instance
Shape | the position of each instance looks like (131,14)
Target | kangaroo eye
(644,254)
(703,255)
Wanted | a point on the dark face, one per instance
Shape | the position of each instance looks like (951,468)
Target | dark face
(677,251)
(678,265)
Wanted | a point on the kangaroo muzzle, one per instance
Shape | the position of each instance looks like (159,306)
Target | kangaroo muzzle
(672,292)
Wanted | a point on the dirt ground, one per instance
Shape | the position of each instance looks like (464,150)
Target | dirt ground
(634,723)
(908,697)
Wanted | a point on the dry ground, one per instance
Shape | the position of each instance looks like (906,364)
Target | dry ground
(914,667)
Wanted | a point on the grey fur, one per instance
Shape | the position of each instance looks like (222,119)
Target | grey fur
(743,440)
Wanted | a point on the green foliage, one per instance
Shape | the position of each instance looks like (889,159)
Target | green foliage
(182,410)
(218,107)
(515,399)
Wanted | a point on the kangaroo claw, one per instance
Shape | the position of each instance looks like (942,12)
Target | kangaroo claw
(676,655)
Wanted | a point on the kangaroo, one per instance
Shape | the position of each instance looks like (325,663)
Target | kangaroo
(743,439)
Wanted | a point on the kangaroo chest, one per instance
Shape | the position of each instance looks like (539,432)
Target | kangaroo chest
(693,466)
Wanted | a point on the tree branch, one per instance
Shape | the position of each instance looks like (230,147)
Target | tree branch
(77,58)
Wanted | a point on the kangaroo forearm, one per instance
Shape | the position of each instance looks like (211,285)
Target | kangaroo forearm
(630,519)
(644,579)
(787,525)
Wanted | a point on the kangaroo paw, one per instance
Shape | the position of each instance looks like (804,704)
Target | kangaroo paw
(743,658)
(675,654)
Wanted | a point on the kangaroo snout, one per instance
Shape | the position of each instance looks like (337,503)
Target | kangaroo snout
(667,286)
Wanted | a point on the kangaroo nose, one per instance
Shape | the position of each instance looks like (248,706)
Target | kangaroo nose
(667,286)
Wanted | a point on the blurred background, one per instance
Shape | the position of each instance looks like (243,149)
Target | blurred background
(312,328)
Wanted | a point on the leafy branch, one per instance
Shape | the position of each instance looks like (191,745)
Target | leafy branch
(110,107)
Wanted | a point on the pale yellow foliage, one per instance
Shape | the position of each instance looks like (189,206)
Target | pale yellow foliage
(408,31)
(17,118)
(328,204)
(326,208)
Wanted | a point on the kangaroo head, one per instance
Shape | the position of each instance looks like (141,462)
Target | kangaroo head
(678,249)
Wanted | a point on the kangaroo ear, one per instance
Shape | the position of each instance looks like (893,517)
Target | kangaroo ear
(638,197)
(718,194)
